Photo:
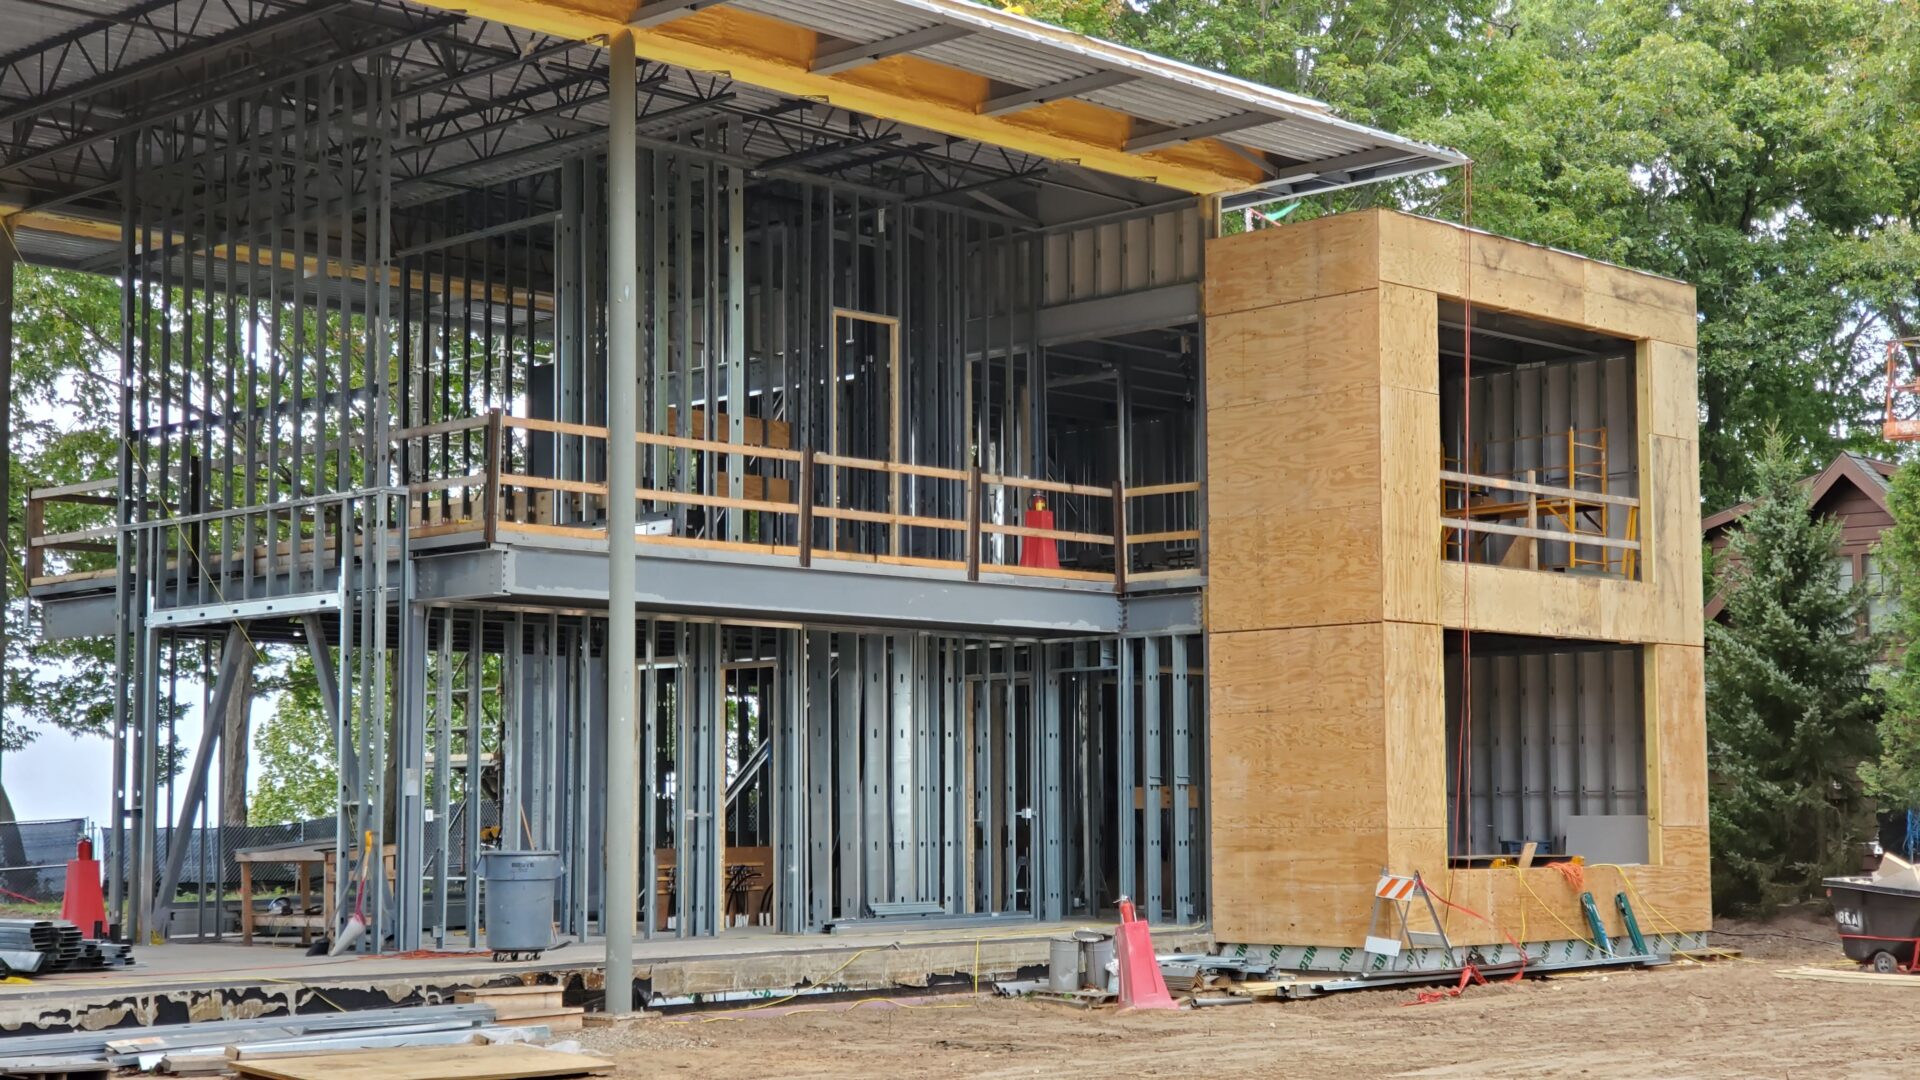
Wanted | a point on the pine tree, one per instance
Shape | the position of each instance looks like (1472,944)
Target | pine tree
(1894,777)
(1791,705)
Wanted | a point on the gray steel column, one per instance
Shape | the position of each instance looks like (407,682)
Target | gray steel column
(413,799)
(623,294)
(7,254)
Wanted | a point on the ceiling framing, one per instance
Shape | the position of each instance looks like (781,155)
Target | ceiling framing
(900,100)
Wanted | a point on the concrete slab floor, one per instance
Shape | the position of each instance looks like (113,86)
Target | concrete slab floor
(184,981)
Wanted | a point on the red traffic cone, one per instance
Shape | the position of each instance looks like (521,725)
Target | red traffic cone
(81,904)
(1141,986)
(1039,551)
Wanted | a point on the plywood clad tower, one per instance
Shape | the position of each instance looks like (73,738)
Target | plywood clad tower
(1329,600)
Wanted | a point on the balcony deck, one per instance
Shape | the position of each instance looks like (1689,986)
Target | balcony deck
(503,536)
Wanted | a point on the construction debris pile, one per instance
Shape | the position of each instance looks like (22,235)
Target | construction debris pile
(264,1046)
(1200,980)
(50,946)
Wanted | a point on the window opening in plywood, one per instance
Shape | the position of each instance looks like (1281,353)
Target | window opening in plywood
(1556,751)
(1540,445)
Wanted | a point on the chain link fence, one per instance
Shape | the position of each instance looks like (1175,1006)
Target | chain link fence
(208,860)
(33,858)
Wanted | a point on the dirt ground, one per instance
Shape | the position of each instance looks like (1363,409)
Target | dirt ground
(1727,1018)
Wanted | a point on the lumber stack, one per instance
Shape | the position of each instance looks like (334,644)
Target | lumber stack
(521,1004)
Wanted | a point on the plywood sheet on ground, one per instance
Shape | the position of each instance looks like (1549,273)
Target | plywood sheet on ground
(510,1062)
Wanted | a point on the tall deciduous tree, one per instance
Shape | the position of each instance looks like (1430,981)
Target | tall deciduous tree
(298,773)
(65,407)
(1790,703)
(1766,152)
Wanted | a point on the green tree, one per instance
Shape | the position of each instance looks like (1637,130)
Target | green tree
(1766,152)
(65,406)
(1894,776)
(298,777)
(1790,702)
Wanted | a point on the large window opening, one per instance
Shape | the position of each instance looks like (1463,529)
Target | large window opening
(1540,459)
(1556,751)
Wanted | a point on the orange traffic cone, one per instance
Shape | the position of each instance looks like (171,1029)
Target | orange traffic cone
(81,904)
(1141,986)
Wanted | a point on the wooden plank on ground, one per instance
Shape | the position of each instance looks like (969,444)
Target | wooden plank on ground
(502,1062)
(556,1018)
(1818,974)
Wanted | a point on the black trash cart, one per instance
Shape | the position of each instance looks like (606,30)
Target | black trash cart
(1879,924)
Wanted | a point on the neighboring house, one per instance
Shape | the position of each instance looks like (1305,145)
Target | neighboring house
(1851,490)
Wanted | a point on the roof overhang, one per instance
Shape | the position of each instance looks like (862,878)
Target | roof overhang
(973,72)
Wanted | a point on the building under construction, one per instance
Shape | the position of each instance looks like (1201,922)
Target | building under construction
(1004,540)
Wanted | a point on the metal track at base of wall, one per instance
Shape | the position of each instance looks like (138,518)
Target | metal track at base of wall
(1540,955)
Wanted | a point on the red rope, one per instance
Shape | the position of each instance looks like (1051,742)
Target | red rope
(1463,760)
(17,896)
(1471,969)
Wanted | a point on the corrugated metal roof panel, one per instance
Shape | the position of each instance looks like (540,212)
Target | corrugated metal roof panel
(853,20)
(59,249)
(1021,52)
(1011,51)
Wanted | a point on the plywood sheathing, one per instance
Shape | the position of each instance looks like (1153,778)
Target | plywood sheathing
(1327,597)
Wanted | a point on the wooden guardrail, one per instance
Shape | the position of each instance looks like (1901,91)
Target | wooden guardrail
(489,488)
(1535,504)
(503,497)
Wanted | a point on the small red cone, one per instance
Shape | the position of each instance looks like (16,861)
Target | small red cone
(81,904)
(1141,985)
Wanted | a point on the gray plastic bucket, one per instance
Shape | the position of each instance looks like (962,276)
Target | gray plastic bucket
(520,897)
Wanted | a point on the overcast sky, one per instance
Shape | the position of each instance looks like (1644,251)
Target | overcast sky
(60,775)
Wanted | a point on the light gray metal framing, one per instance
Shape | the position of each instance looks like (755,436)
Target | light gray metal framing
(349,255)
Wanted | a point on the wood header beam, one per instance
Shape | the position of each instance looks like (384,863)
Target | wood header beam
(715,38)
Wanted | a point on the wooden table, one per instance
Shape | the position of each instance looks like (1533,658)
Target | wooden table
(309,858)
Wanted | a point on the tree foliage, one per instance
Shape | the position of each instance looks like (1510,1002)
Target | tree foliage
(1766,152)
(1894,776)
(298,777)
(1790,702)
(64,412)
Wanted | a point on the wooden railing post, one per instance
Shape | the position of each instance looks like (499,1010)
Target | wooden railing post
(36,527)
(1120,553)
(806,506)
(1533,522)
(974,495)
(494,491)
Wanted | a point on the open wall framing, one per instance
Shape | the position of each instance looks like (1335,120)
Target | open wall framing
(1334,590)
(359,403)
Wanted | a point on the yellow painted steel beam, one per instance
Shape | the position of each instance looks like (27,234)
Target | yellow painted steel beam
(46,221)
(777,55)
(13,218)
